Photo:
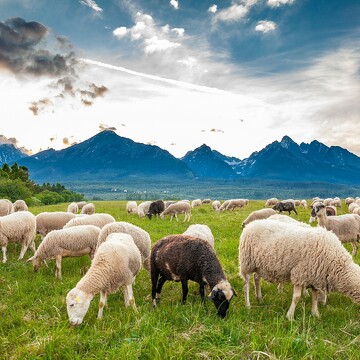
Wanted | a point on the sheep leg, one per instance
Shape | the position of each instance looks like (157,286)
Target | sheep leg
(3,248)
(129,297)
(58,266)
(280,288)
(247,289)
(185,290)
(24,247)
(354,246)
(296,296)
(177,219)
(322,297)
(32,246)
(102,303)
(156,288)
(257,287)
(314,304)
(202,292)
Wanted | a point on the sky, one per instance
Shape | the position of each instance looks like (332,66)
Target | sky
(235,75)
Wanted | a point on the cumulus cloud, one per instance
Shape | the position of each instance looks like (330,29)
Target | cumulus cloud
(179,31)
(277,3)
(212,9)
(174,4)
(155,44)
(232,13)
(92,4)
(265,26)
(120,32)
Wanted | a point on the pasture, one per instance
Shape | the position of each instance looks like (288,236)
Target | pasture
(34,322)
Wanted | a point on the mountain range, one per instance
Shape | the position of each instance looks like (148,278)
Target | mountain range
(108,156)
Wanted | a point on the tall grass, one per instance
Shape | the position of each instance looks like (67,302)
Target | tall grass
(34,323)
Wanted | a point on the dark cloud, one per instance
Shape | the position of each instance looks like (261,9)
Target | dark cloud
(39,106)
(103,127)
(94,91)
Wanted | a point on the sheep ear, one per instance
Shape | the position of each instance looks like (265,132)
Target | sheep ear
(212,295)
(30,259)
(234,292)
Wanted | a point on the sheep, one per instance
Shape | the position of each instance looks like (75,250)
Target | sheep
(258,214)
(99,220)
(206,201)
(224,205)
(116,263)
(167,203)
(196,202)
(20,205)
(330,211)
(336,203)
(285,206)
(216,205)
(327,201)
(19,227)
(271,202)
(180,207)
(143,208)
(183,258)
(81,204)
(73,208)
(141,238)
(48,221)
(306,257)
(345,227)
(297,202)
(88,209)
(155,208)
(235,203)
(69,242)
(303,203)
(357,210)
(352,207)
(131,207)
(200,231)
(349,200)
(6,207)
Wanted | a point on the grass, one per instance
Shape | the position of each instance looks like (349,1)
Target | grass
(34,322)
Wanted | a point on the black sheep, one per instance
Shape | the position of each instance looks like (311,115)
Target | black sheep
(285,206)
(183,258)
(156,208)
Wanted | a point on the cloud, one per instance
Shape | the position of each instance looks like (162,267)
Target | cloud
(13,141)
(265,26)
(92,4)
(120,32)
(233,13)
(277,3)
(103,127)
(212,9)
(39,106)
(67,142)
(179,31)
(154,45)
(174,4)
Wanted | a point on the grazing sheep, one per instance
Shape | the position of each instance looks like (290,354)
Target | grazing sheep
(345,227)
(143,208)
(271,202)
(352,207)
(19,227)
(336,203)
(180,207)
(200,231)
(206,201)
(116,263)
(224,205)
(88,209)
(216,205)
(258,214)
(81,204)
(73,208)
(167,203)
(70,242)
(131,207)
(155,208)
(349,200)
(195,203)
(303,203)
(327,201)
(6,207)
(235,203)
(285,206)
(297,202)
(99,220)
(141,238)
(183,258)
(48,221)
(20,205)
(305,256)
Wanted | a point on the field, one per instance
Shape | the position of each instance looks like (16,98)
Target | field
(34,322)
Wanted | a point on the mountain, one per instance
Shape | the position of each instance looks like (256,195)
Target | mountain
(9,154)
(105,156)
(205,163)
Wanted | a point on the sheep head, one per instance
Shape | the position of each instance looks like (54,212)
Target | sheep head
(221,295)
(317,209)
(77,304)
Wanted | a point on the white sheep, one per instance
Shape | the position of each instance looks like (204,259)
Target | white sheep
(20,205)
(143,208)
(201,231)
(216,205)
(235,203)
(195,203)
(69,242)
(349,200)
(99,220)
(131,207)
(116,263)
(307,257)
(224,205)
(345,227)
(48,221)
(81,204)
(180,207)
(18,227)
(304,204)
(73,208)
(352,207)
(271,202)
(6,207)
(141,238)
(88,209)
(258,214)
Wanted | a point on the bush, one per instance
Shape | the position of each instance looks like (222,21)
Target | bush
(49,197)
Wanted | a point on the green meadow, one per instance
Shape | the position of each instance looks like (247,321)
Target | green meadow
(34,322)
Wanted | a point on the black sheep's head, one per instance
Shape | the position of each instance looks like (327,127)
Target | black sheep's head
(221,303)
(316,209)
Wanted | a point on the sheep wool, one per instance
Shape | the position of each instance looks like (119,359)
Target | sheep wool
(201,231)
(180,207)
(48,221)
(6,207)
(99,220)
(20,205)
(257,215)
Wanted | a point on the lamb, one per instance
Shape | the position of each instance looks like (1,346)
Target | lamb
(271,202)
(180,207)
(183,258)
(73,208)
(143,208)
(48,221)
(131,207)
(258,214)
(116,263)
(88,209)
(285,206)
(196,202)
(99,220)
(155,208)
(19,227)
(20,205)
(306,257)
(216,205)
(345,227)
(200,231)
(74,241)
(141,238)
(6,207)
